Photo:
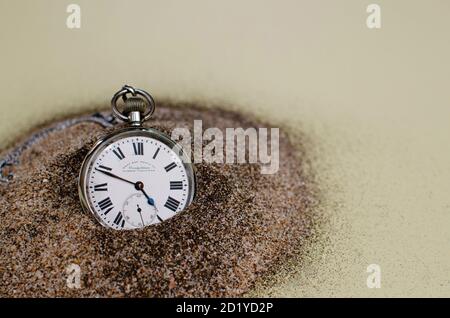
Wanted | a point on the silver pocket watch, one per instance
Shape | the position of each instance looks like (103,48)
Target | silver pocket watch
(135,176)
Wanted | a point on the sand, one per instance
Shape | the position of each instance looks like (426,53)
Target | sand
(240,228)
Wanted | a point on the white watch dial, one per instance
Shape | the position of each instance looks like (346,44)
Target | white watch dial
(135,181)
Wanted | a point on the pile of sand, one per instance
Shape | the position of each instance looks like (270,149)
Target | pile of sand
(240,227)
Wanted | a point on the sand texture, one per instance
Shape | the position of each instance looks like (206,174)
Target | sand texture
(241,225)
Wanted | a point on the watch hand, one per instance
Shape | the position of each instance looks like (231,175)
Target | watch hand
(114,176)
(152,203)
(140,214)
(140,186)
(149,199)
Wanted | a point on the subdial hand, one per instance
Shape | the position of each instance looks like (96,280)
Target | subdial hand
(140,214)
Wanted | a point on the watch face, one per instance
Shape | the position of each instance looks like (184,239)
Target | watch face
(135,178)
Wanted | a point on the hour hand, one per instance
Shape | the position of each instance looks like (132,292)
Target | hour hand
(114,176)
(150,201)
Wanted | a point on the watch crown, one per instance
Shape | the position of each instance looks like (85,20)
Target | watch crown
(134,104)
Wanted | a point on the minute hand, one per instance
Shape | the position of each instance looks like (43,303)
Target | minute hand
(115,176)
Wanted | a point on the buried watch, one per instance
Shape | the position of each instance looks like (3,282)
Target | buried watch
(135,176)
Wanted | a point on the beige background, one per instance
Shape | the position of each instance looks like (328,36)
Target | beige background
(374,104)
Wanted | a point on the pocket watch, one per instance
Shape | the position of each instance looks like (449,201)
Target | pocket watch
(135,176)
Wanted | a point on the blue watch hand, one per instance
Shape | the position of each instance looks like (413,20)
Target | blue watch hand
(140,186)
(149,199)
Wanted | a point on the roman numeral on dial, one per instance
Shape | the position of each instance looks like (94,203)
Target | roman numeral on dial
(101,187)
(156,153)
(105,168)
(138,148)
(172,204)
(104,204)
(176,185)
(118,220)
(118,152)
(170,166)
